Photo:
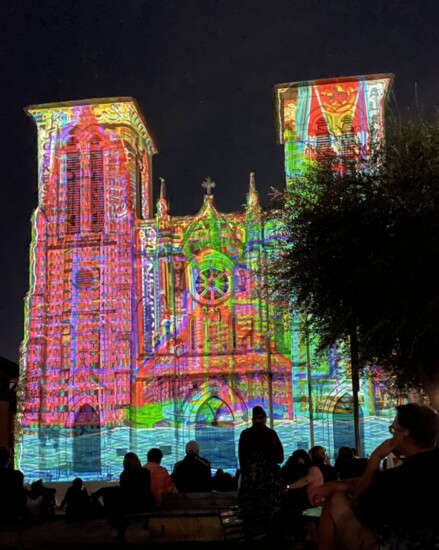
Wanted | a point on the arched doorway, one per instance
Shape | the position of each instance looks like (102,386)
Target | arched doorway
(87,441)
(343,423)
(215,432)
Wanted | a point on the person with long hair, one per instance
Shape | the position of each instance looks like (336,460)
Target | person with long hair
(135,485)
(320,459)
(300,475)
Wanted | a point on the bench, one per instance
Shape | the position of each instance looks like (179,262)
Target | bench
(198,517)
(194,517)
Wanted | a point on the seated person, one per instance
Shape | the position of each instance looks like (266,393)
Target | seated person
(313,477)
(320,459)
(40,501)
(347,465)
(135,485)
(222,481)
(192,474)
(76,501)
(297,466)
(399,505)
(161,481)
(12,494)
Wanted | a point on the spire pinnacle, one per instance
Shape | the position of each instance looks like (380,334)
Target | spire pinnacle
(252,195)
(162,188)
(208,184)
(162,203)
(252,186)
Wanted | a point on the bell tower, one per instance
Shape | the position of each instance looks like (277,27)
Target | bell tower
(80,343)
(336,115)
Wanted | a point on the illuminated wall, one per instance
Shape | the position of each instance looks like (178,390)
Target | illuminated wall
(146,329)
(314,118)
(335,114)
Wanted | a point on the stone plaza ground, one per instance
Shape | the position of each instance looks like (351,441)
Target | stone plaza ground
(97,535)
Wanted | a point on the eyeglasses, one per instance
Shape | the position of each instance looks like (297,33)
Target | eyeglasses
(394,429)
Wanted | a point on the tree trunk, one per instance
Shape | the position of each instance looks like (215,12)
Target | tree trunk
(355,370)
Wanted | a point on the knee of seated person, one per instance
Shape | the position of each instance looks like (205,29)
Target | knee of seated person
(338,503)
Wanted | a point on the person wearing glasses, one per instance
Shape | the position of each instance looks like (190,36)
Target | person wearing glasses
(396,508)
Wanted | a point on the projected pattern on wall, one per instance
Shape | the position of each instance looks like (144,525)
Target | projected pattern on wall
(314,118)
(147,329)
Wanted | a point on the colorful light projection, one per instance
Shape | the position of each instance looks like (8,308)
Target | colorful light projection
(336,114)
(145,330)
(314,118)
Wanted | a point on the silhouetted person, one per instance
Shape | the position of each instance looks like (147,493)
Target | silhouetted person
(347,465)
(40,501)
(394,508)
(12,494)
(259,496)
(192,474)
(320,459)
(161,481)
(297,466)
(296,497)
(134,495)
(222,481)
(77,502)
(135,485)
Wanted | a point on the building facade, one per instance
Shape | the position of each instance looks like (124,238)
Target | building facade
(146,329)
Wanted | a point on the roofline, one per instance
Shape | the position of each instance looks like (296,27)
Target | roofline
(332,80)
(93,101)
(80,102)
(280,89)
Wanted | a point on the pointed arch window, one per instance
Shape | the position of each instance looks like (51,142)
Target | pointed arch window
(192,341)
(73,169)
(233,330)
(65,349)
(97,183)
(323,140)
(348,139)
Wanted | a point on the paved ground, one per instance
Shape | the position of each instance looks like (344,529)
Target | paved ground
(96,535)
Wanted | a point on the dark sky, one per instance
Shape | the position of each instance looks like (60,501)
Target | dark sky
(202,72)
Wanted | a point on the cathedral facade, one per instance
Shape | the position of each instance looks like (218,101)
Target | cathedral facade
(146,329)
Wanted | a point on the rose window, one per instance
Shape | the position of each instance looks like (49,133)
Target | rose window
(212,284)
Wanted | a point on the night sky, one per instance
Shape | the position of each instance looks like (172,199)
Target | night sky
(202,72)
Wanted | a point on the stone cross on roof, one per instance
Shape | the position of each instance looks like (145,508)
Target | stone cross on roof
(208,184)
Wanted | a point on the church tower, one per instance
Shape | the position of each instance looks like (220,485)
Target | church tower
(80,343)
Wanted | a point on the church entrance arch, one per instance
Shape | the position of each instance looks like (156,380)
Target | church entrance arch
(87,441)
(343,423)
(215,432)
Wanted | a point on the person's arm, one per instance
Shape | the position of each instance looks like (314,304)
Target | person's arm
(65,499)
(373,467)
(313,476)
(317,495)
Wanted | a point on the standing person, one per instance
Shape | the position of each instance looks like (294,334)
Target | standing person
(395,508)
(161,481)
(192,474)
(259,496)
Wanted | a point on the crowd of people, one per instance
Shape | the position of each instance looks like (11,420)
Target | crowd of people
(366,503)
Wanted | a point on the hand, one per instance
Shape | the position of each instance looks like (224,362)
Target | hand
(317,495)
(382,451)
